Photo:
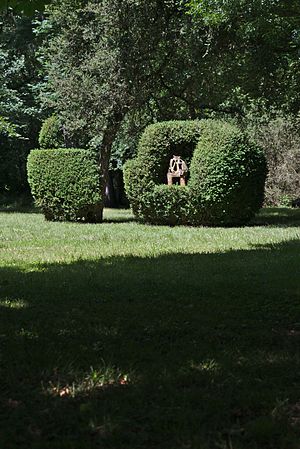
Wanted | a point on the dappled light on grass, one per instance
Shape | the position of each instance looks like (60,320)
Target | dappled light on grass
(13,304)
(95,380)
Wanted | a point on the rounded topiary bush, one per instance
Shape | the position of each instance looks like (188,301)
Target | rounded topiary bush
(144,176)
(227,175)
(51,135)
(65,184)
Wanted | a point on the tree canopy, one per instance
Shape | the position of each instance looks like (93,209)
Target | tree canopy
(108,68)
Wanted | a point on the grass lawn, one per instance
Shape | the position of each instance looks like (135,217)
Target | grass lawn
(127,336)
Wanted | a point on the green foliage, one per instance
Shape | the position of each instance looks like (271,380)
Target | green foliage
(264,66)
(7,129)
(170,205)
(51,135)
(12,161)
(212,12)
(112,62)
(19,98)
(144,174)
(227,175)
(110,58)
(27,7)
(65,184)
(279,136)
(108,63)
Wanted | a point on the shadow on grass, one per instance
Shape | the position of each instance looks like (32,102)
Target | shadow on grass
(180,351)
(278,217)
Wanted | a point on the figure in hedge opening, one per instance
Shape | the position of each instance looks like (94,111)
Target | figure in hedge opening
(177,170)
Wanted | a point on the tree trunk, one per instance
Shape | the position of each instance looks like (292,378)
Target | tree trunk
(110,199)
(110,133)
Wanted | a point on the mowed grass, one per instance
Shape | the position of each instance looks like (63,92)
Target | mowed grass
(128,336)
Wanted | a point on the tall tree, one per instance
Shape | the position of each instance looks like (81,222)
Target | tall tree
(260,43)
(110,59)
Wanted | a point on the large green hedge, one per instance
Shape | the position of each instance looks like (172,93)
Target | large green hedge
(227,175)
(146,175)
(65,184)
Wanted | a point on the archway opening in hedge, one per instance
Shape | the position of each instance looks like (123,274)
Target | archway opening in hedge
(227,174)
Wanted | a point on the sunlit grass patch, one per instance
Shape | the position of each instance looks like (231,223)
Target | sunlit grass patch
(210,366)
(13,304)
(95,380)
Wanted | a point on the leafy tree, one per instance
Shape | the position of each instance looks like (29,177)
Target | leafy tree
(19,95)
(259,43)
(115,66)
(109,59)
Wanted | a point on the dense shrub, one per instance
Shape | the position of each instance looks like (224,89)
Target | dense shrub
(51,135)
(170,204)
(144,174)
(65,184)
(279,137)
(227,174)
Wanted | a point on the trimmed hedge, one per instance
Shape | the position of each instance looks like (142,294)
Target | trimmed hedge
(144,174)
(51,135)
(227,175)
(65,184)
